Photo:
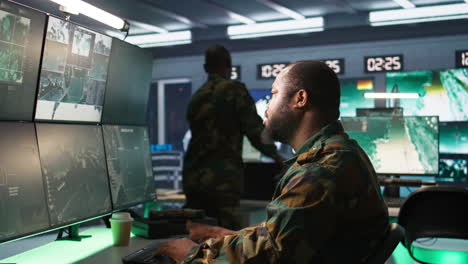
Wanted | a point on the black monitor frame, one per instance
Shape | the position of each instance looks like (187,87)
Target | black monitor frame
(126,206)
(83,219)
(35,82)
(38,231)
(453,123)
(36,98)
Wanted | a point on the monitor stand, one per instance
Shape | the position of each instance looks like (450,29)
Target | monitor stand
(72,233)
(392,190)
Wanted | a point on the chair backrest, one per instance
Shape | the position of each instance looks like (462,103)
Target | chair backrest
(394,236)
(167,168)
(435,212)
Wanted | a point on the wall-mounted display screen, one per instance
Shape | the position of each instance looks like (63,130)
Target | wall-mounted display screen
(455,169)
(352,95)
(337,65)
(74,73)
(454,137)
(23,208)
(128,84)
(21,37)
(249,152)
(398,145)
(75,173)
(384,63)
(443,93)
(461,59)
(129,165)
(269,71)
(236,73)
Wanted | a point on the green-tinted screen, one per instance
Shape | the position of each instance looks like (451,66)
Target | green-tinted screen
(443,93)
(454,137)
(397,145)
(352,95)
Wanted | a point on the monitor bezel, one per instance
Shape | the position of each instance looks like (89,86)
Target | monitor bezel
(126,206)
(79,220)
(452,123)
(34,119)
(45,19)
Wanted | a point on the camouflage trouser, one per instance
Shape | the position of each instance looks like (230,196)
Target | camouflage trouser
(223,207)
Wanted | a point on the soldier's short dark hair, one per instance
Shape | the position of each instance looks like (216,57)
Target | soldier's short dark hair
(216,56)
(320,82)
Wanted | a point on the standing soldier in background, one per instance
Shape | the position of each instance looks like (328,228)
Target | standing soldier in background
(220,113)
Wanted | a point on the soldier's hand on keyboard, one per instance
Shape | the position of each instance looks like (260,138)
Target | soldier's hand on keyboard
(201,232)
(176,249)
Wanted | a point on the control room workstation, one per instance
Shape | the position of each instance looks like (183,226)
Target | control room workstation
(93,116)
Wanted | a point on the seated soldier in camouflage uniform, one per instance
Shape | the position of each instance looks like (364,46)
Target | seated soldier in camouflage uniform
(220,114)
(327,207)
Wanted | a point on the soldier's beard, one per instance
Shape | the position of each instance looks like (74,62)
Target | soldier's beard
(282,126)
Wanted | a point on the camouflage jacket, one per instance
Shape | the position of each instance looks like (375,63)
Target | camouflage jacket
(220,113)
(327,209)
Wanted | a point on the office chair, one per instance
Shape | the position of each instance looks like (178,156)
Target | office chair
(167,168)
(395,235)
(434,212)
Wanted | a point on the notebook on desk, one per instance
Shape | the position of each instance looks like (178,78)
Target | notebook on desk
(145,255)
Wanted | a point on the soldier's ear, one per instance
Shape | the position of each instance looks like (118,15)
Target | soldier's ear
(300,99)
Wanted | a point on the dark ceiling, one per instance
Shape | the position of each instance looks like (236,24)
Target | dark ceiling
(208,18)
(187,14)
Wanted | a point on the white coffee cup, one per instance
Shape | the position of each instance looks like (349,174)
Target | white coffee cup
(121,224)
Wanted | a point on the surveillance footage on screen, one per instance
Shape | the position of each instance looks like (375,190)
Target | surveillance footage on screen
(74,73)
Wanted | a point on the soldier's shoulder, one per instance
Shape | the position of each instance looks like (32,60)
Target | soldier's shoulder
(332,155)
(232,85)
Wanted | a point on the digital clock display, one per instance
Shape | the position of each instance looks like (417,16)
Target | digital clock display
(236,73)
(270,70)
(386,63)
(337,65)
(461,59)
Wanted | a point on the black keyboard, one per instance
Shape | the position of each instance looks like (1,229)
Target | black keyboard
(145,256)
(394,201)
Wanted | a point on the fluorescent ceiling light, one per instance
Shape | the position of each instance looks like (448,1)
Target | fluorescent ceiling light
(419,14)
(391,95)
(282,9)
(93,12)
(148,27)
(405,3)
(276,28)
(170,43)
(164,39)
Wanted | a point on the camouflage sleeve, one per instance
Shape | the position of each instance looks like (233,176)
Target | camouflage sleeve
(299,220)
(251,123)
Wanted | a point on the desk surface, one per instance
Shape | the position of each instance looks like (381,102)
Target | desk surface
(96,249)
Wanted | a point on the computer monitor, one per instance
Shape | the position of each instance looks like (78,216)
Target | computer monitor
(398,145)
(454,137)
(453,168)
(75,173)
(74,73)
(129,81)
(441,93)
(21,38)
(23,208)
(249,152)
(129,165)
(352,95)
